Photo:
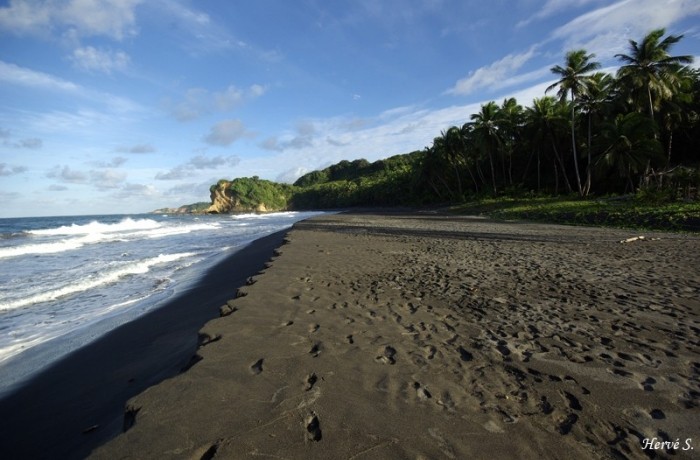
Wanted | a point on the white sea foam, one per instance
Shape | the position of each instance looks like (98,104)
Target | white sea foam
(111,232)
(125,225)
(270,215)
(109,277)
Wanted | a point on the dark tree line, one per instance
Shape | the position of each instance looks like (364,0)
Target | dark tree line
(636,130)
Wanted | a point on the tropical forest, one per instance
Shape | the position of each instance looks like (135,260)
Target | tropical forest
(593,137)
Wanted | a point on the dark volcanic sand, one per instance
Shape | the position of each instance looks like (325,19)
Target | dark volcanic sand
(427,336)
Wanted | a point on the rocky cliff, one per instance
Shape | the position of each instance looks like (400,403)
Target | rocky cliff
(245,195)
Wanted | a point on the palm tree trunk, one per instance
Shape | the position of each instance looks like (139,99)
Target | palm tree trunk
(573,142)
(587,188)
(471,174)
(651,103)
(538,171)
(563,169)
(493,173)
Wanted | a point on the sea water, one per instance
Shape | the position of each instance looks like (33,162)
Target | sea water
(64,281)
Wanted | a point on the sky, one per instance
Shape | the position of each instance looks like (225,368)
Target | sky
(126,106)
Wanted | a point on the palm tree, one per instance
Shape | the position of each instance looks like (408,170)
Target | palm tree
(542,122)
(510,120)
(593,101)
(629,141)
(454,149)
(572,81)
(485,130)
(649,67)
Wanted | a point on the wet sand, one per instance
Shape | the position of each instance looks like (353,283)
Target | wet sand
(78,403)
(428,336)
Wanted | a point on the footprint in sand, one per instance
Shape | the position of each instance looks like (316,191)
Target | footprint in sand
(388,355)
(257,367)
(464,355)
(422,393)
(311,380)
(313,428)
(573,401)
(567,424)
(648,384)
(315,350)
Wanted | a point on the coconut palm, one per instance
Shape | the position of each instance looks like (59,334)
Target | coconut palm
(572,81)
(628,143)
(484,126)
(510,120)
(650,69)
(543,121)
(595,98)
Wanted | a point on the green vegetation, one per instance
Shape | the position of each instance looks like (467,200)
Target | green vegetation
(633,134)
(627,211)
(390,182)
(249,193)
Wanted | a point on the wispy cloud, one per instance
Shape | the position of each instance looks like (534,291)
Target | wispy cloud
(13,74)
(111,18)
(16,75)
(196,31)
(553,7)
(137,148)
(496,75)
(11,170)
(606,30)
(198,102)
(302,137)
(92,59)
(32,143)
(198,163)
(67,175)
(226,133)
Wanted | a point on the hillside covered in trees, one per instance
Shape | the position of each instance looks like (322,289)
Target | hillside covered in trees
(591,133)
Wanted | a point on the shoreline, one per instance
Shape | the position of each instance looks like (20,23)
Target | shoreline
(77,403)
(417,335)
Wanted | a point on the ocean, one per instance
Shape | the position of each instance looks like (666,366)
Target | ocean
(65,281)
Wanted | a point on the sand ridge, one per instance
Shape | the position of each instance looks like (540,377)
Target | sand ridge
(432,336)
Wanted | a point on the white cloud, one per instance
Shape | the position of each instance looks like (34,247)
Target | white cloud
(111,18)
(291,175)
(494,76)
(108,178)
(553,7)
(21,76)
(11,170)
(605,31)
(196,31)
(129,191)
(91,59)
(198,163)
(225,133)
(67,175)
(303,137)
(137,148)
(14,74)
(198,102)
(113,163)
(32,143)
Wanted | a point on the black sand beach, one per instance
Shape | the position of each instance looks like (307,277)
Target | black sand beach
(394,336)
(428,336)
(78,403)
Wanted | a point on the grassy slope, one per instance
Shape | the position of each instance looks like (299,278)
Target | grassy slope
(625,212)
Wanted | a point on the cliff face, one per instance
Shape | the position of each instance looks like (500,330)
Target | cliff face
(225,201)
(221,201)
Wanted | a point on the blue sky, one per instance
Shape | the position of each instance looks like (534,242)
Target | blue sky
(121,106)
